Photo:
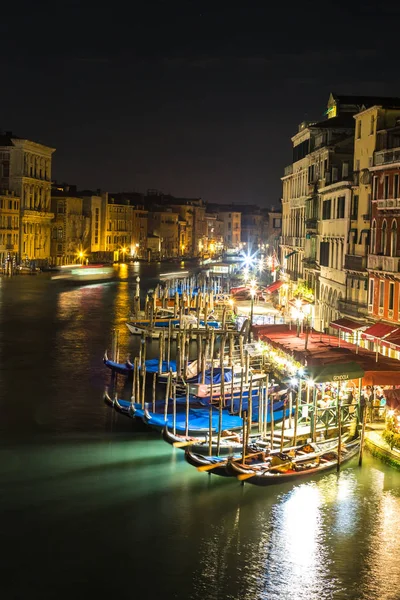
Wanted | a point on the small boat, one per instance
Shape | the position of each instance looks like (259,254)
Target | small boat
(144,327)
(287,468)
(81,274)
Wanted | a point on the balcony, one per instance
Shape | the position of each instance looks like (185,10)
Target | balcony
(387,157)
(311,223)
(388,203)
(352,309)
(355,263)
(11,246)
(295,242)
(388,264)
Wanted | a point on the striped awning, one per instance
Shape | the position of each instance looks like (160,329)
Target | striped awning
(347,325)
(273,287)
(378,331)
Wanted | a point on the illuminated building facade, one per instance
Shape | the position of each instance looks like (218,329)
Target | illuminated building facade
(9,231)
(25,169)
(68,229)
(384,254)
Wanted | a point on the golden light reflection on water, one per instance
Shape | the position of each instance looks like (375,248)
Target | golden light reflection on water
(314,542)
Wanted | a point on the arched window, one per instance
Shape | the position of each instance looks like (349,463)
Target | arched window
(393,239)
(384,237)
(373,237)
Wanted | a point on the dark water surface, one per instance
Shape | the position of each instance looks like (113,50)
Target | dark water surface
(94,507)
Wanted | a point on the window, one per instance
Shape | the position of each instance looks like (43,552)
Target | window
(373,237)
(383,237)
(359,129)
(60,234)
(396,185)
(326,209)
(345,170)
(372,125)
(371,291)
(386,187)
(381,293)
(324,254)
(393,239)
(391,295)
(375,187)
(277,223)
(340,207)
(357,165)
(354,208)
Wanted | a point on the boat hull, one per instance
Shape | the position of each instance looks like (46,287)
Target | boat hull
(268,478)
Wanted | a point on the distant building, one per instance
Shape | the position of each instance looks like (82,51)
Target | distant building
(251,225)
(231,219)
(214,244)
(67,229)
(25,169)
(9,231)
(165,226)
(193,222)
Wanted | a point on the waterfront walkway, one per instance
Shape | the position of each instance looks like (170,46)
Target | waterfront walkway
(377,445)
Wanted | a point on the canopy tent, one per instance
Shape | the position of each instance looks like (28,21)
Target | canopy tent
(323,350)
(273,287)
(335,372)
(378,331)
(347,325)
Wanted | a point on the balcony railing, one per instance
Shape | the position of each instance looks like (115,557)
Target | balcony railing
(288,170)
(352,309)
(388,203)
(390,264)
(10,246)
(383,157)
(297,242)
(355,263)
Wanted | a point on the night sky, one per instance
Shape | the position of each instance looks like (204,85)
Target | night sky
(191,98)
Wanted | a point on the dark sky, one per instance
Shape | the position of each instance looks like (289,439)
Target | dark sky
(192,98)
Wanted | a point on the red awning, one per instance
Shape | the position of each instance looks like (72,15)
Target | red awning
(378,331)
(347,325)
(392,341)
(274,287)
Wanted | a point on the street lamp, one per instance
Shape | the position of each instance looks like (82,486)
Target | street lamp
(81,256)
(253,285)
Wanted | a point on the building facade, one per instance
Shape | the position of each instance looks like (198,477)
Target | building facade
(370,119)
(9,231)
(25,169)
(164,225)
(68,233)
(384,257)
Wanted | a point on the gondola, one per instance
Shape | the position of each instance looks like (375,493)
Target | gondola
(152,366)
(322,460)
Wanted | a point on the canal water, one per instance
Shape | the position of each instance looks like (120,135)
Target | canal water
(93,505)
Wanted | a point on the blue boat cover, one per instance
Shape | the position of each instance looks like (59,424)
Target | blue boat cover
(199,418)
(217,376)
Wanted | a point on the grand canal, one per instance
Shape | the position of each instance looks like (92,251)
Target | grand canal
(93,505)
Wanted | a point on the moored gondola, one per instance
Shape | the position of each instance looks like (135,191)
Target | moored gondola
(293,469)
